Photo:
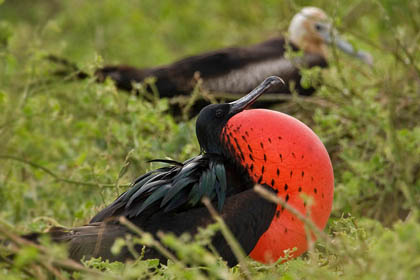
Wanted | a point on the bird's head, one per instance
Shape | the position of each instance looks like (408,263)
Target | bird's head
(311,30)
(214,117)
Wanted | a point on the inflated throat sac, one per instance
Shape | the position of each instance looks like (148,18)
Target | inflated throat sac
(285,154)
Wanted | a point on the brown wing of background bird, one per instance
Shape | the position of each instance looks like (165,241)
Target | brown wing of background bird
(177,78)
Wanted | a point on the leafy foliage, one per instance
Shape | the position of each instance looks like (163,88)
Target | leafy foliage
(70,147)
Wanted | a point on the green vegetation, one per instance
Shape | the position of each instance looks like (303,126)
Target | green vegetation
(69,147)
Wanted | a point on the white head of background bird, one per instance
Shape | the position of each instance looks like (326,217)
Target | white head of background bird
(311,30)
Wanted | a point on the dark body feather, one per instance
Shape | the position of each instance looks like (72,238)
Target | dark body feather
(230,70)
(168,199)
(182,212)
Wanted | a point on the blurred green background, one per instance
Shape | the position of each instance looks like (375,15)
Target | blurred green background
(67,147)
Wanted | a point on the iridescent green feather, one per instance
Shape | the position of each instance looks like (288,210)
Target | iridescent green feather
(173,186)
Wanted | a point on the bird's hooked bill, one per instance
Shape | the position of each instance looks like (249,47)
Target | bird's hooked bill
(333,37)
(247,100)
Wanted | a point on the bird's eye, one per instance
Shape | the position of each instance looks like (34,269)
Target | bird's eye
(219,113)
(319,27)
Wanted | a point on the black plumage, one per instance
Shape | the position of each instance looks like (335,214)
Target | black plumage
(168,199)
(172,187)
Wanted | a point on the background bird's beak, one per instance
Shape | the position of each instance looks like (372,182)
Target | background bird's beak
(247,100)
(348,48)
(332,37)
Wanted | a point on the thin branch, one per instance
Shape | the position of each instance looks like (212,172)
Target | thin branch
(45,255)
(306,220)
(53,270)
(57,177)
(25,270)
(227,234)
(155,243)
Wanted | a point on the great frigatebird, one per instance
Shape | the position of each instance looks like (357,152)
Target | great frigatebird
(240,148)
(240,69)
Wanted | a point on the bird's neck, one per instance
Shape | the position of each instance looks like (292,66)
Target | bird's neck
(235,161)
(310,45)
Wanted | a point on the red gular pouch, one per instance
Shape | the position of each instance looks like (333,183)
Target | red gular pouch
(285,154)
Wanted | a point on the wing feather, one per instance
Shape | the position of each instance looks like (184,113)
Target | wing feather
(171,187)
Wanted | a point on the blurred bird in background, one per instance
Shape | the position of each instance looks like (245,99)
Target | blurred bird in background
(237,70)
